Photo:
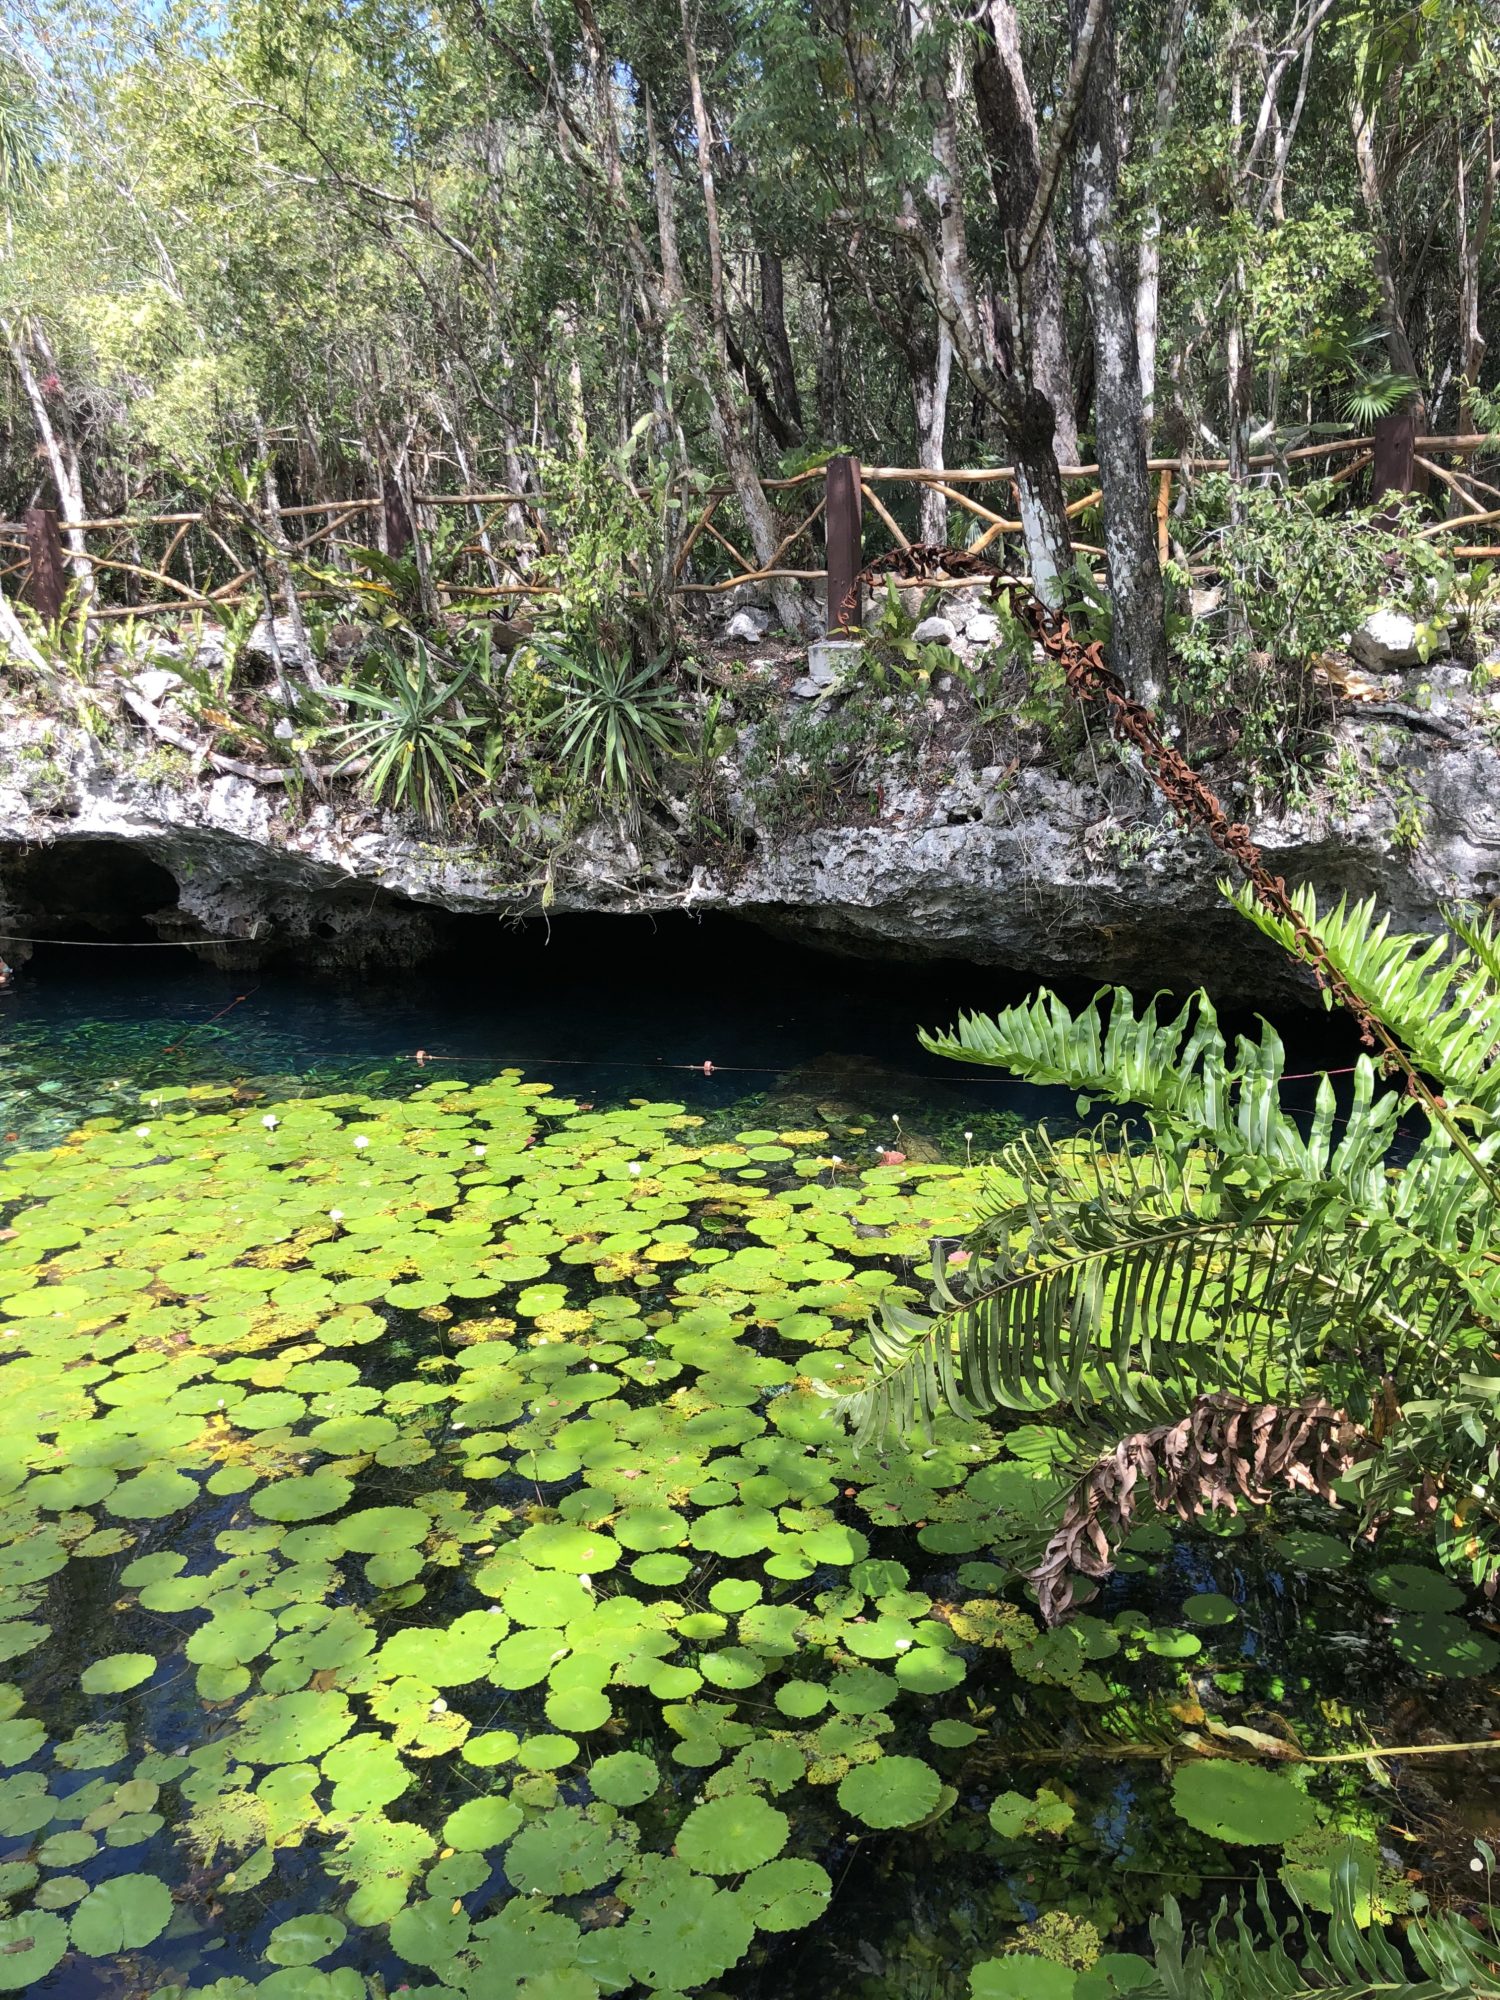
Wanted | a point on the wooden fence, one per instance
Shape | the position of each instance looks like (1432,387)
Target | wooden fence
(196,567)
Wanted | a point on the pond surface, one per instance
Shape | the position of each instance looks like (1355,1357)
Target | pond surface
(431,1559)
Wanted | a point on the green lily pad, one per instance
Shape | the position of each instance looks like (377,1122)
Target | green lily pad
(481,1824)
(302,1499)
(1438,1644)
(123,1914)
(567,1851)
(1241,1802)
(1411,1587)
(304,1940)
(625,1778)
(728,1836)
(30,1946)
(117,1672)
(891,1792)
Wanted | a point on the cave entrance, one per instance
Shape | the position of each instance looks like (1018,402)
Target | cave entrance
(92,890)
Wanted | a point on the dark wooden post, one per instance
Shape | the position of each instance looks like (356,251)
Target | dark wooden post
(46,578)
(1395,444)
(844,533)
(398,528)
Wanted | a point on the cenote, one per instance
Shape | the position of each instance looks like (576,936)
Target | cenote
(433,1560)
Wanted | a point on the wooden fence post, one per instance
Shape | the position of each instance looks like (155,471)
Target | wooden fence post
(46,579)
(843,526)
(1393,469)
(398,528)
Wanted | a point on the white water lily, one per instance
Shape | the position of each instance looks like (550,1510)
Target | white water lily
(335,1215)
(270,1121)
(480,1151)
(634,1167)
(360,1141)
(143,1131)
(437,1706)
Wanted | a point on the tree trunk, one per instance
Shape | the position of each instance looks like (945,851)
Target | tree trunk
(62,462)
(1148,274)
(714,367)
(778,346)
(929,390)
(1473,234)
(1140,637)
(1007,119)
(1372,194)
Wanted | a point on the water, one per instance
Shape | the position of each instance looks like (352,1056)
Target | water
(602,1009)
(1221,1626)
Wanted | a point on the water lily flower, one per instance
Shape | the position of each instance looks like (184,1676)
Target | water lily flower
(360,1141)
(587,1582)
(437,1706)
(634,1167)
(335,1215)
(143,1131)
(479,1152)
(270,1121)
(903,1645)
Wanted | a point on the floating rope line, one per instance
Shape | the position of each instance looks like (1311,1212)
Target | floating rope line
(117,944)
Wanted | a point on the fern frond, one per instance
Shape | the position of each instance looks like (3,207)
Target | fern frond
(1337,1960)
(1438,996)
(1126,1281)
(1180,1072)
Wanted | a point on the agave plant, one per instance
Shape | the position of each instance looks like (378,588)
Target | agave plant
(414,746)
(616,718)
(1233,1298)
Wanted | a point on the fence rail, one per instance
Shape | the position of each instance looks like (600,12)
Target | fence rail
(200,570)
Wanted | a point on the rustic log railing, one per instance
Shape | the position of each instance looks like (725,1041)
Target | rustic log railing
(213,576)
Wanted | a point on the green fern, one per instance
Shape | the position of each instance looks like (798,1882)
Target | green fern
(1232,1249)
(1339,1960)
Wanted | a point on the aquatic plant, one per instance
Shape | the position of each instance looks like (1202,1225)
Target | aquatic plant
(433,1561)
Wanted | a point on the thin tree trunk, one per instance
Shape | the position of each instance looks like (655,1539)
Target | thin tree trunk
(778,346)
(1139,636)
(1473,235)
(715,368)
(62,462)
(281,554)
(1007,119)
(1393,323)
(929,390)
(1148,275)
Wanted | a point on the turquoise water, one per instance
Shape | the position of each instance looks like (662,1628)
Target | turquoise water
(600,1009)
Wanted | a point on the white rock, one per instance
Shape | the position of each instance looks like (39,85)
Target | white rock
(935,632)
(751,625)
(156,684)
(983,629)
(1389,639)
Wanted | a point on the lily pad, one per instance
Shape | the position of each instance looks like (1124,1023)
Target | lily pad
(1241,1802)
(122,1914)
(728,1836)
(891,1792)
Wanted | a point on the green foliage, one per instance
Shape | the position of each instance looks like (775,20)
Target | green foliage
(416,744)
(617,719)
(1123,1279)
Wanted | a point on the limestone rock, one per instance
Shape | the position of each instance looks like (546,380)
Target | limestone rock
(156,684)
(983,629)
(1389,639)
(750,625)
(936,632)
